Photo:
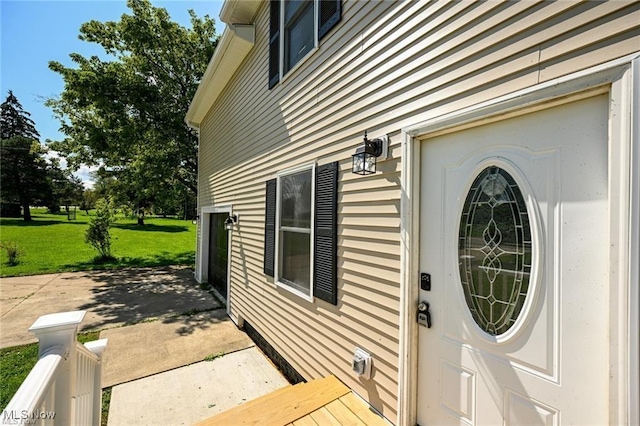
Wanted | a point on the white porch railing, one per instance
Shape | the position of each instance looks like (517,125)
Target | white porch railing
(64,387)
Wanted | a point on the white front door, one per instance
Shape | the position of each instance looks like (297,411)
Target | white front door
(514,234)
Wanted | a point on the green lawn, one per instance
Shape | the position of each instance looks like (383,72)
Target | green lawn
(51,243)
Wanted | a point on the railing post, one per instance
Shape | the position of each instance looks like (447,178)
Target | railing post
(97,347)
(59,331)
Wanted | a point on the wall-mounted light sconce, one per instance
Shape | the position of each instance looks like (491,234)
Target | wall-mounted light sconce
(364,160)
(230,221)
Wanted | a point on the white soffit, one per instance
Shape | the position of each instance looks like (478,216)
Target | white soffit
(234,45)
(239,11)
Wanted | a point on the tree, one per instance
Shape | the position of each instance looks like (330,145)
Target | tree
(98,235)
(23,173)
(14,121)
(23,168)
(89,199)
(66,189)
(127,114)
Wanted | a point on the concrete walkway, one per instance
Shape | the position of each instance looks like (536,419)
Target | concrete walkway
(161,325)
(194,393)
(149,348)
(111,298)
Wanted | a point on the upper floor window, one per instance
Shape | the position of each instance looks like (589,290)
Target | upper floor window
(301,23)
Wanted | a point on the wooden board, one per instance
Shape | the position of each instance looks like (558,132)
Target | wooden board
(283,406)
(362,410)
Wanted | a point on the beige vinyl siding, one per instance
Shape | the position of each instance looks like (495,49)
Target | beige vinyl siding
(385,66)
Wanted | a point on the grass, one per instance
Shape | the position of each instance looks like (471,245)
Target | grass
(106,401)
(16,363)
(215,356)
(51,243)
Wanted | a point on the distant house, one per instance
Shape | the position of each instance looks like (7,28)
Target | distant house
(505,196)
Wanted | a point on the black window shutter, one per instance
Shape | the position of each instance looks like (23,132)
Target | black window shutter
(270,228)
(330,11)
(274,44)
(325,281)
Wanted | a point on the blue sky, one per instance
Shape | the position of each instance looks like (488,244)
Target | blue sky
(32,33)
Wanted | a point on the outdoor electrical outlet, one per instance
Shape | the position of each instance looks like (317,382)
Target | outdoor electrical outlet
(361,363)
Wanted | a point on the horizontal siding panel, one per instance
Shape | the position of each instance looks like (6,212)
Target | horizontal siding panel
(585,58)
(372,220)
(380,233)
(327,330)
(592,27)
(369,194)
(371,244)
(385,321)
(350,183)
(370,291)
(371,207)
(385,283)
(385,66)
(369,257)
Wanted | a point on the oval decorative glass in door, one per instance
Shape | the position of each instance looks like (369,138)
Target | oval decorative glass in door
(495,249)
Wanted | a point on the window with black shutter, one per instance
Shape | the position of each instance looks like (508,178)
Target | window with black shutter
(328,16)
(325,283)
(298,224)
(292,21)
(274,43)
(270,228)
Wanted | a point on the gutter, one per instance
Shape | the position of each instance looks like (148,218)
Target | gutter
(235,44)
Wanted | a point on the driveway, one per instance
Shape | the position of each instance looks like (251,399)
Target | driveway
(155,368)
(111,298)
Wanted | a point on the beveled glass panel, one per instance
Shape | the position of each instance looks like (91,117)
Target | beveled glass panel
(295,200)
(494,248)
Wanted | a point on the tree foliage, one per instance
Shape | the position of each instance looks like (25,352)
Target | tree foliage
(15,121)
(126,113)
(23,169)
(98,235)
(66,189)
(88,201)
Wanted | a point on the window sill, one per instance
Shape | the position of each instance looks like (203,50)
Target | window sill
(293,70)
(287,287)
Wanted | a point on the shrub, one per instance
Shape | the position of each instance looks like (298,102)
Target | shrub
(13,252)
(98,232)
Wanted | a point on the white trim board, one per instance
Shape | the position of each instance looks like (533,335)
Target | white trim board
(620,78)
(203,247)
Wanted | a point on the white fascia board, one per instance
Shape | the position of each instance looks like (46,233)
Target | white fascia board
(234,45)
(239,11)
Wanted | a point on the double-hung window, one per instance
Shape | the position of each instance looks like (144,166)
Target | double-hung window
(300,234)
(294,220)
(296,27)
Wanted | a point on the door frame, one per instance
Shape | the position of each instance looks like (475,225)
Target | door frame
(203,246)
(621,79)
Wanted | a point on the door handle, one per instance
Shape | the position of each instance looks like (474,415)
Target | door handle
(424,316)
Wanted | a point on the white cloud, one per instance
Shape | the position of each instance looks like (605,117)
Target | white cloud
(84,172)
(54,154)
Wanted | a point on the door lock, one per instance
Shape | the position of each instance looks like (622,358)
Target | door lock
(424,316)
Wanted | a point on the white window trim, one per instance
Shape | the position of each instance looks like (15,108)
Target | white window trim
(306,167)
(316,11)
(203,248)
